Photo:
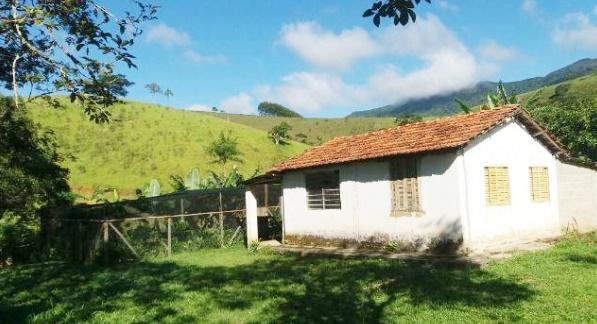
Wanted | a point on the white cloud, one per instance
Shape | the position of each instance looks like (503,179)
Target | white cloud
(239,104)
(196,57)
(493,51)
(575,30)
(167,36)
(312,91)
(325,49)
(447,6)
(198,107)
(447,65)
(529,6)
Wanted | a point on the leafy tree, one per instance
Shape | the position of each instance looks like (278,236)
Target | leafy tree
(214,109)
(153,88)
(224,149)
(279,133)
(407,119)
(168,93)
(573,121)
(68,46)
(32,181)
(400,11)
(273,109)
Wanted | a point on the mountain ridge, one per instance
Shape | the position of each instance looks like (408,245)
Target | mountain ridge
(444,104)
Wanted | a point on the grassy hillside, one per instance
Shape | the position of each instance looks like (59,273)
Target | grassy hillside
(317,130)
(146,141)
(583,87)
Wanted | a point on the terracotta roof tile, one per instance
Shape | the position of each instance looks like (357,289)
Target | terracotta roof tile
(433,135)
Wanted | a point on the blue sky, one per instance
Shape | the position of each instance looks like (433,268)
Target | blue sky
(322,59)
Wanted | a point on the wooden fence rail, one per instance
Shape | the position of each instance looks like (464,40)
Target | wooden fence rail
(107,225)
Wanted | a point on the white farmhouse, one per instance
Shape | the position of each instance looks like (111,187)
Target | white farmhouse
(473,181)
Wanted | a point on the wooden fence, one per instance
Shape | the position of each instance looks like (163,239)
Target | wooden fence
(93,228)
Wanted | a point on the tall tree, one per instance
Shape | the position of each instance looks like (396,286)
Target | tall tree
(399,11)
(68,46)
(168,93)
(153,88)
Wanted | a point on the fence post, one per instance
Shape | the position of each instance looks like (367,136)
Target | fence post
(106,238)
(170,236)
(281,210)
(251,216)
(80,243)
(221,221)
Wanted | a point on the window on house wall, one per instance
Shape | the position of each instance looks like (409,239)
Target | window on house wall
(323,190)
(497,186)
(539,184)
(405,186)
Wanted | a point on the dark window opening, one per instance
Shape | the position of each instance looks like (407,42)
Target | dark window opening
(323,190)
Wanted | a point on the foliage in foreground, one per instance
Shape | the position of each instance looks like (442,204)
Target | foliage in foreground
(233,285)
(573,121)
(53,46)
(31,182)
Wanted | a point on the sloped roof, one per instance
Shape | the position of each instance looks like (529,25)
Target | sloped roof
(427,136)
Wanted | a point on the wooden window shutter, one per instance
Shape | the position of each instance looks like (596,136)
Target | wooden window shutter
(539,178)
(497,186)
(404,185)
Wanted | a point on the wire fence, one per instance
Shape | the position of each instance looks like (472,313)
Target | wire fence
(160,226)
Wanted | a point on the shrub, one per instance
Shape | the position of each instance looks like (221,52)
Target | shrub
(31,179)
(17,238)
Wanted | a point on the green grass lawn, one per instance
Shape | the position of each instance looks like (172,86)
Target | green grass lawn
(556,285)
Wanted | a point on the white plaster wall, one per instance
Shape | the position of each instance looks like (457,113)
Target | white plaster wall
(577,187)
(366,202)
(326,223)
(512,146)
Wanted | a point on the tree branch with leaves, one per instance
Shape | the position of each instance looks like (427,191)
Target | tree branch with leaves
(69,47)
(399,11)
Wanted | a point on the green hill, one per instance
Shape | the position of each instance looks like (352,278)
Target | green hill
(583,87)
(316,130)
(444,104)
(146,141)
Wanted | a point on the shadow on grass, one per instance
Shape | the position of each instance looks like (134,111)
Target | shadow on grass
(582,258)
(278,289)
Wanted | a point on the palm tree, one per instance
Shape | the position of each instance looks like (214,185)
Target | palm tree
(168,93)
